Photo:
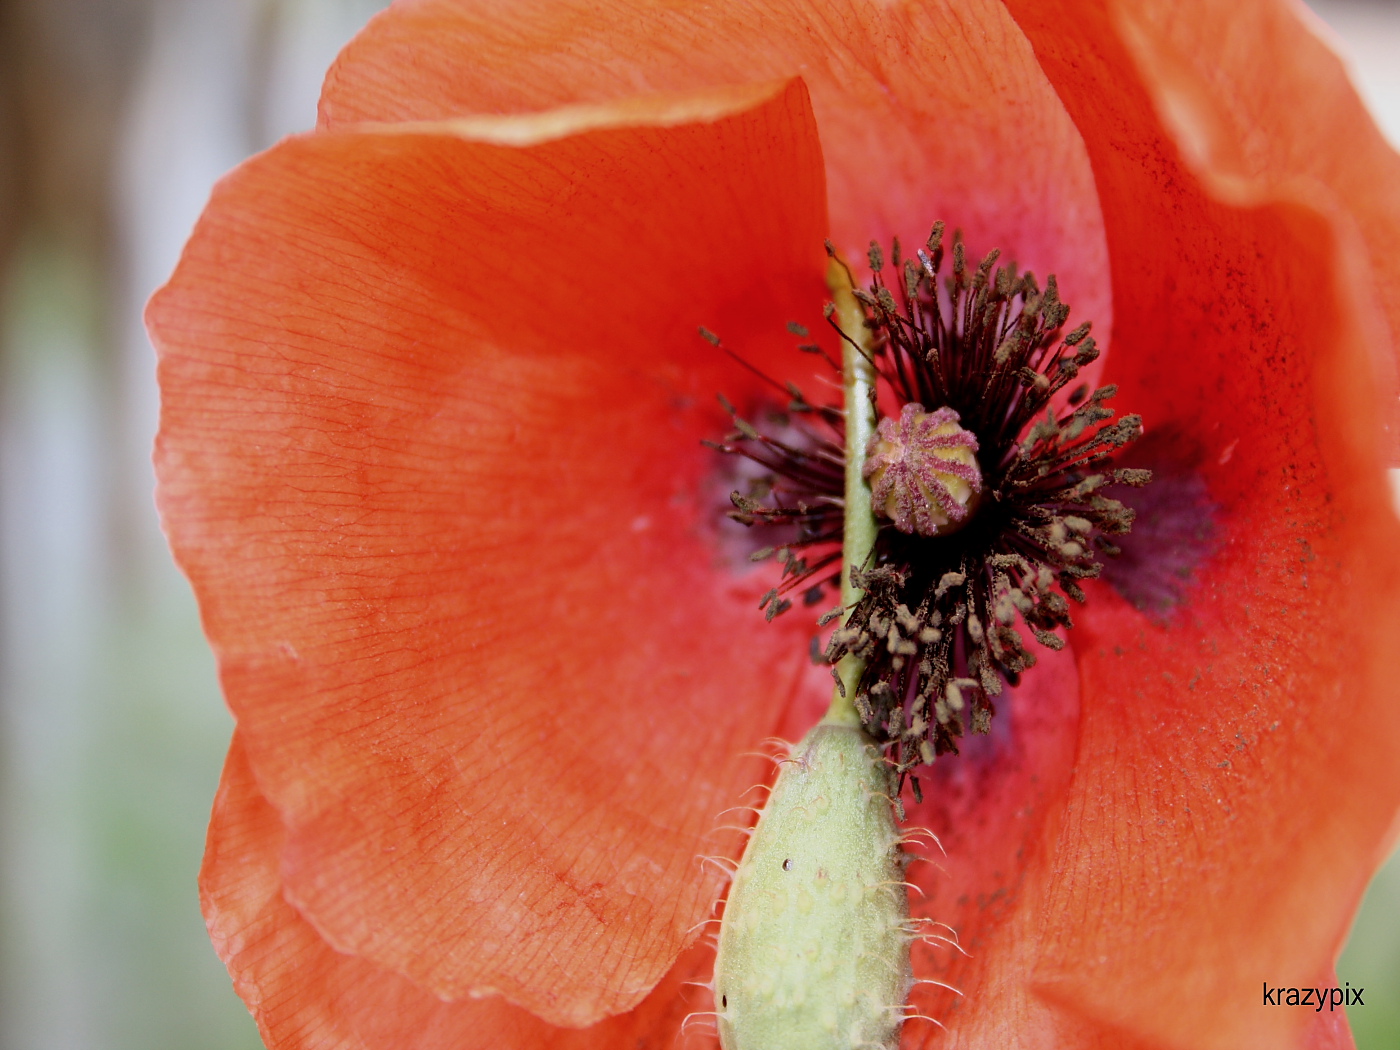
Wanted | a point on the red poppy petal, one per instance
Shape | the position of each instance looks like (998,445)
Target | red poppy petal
(1328,1030)
(1254,99)
(430,456)
(1235,781)
(992,809)
(927,111)
(305,995)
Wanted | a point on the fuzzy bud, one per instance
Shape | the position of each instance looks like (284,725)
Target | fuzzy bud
(814,946)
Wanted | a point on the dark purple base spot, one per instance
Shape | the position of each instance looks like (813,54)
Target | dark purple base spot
(1175,528)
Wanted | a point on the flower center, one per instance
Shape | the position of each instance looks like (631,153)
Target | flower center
(992,505)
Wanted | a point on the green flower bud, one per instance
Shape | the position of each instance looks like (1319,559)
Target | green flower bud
(814,945)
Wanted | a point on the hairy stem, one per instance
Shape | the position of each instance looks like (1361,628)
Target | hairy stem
(858,383)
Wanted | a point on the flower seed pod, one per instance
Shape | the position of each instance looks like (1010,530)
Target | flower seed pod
(923,472)
(814,946)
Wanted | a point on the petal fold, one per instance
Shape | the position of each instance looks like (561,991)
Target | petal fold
(1262,109)
(306,996)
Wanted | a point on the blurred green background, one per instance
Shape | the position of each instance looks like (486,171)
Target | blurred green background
(116,116)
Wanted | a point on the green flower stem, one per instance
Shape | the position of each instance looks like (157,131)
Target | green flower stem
(858,382)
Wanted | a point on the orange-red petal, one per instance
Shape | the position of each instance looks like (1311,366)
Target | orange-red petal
(306,995)
(1259,105)
(1235,779)
(929,110)
(430,454)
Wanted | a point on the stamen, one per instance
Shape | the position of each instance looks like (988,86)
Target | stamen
(991,485)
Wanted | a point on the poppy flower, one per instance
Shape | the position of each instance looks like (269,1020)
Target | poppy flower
(431,456)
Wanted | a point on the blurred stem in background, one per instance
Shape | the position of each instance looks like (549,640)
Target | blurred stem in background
(116,117)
